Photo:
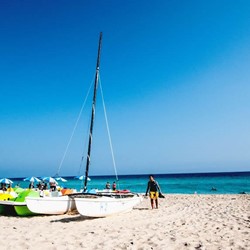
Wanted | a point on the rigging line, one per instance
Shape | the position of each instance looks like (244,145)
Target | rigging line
(107,126)
(73,132)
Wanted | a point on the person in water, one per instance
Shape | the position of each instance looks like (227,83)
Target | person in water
(154,189)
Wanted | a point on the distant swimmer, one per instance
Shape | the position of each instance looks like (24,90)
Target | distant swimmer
(213,189)
(242,192)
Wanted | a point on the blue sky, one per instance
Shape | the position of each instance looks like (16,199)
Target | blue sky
(175,77)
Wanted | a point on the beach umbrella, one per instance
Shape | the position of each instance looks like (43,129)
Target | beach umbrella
(61,179)
(49,179)
(32,179)
(82,177)
(6,181)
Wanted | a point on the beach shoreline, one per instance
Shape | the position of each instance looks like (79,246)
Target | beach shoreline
(181,222)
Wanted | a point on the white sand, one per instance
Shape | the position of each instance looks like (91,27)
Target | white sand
(181,222)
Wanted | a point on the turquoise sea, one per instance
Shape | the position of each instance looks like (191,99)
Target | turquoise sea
(202,183)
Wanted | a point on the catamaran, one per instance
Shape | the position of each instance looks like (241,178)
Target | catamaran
(101,203)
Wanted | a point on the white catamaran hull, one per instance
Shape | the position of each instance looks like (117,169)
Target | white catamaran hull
(105,206)
(50,205)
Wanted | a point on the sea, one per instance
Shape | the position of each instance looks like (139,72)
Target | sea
(200,183)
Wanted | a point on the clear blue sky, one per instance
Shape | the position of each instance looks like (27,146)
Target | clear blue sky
(175,76)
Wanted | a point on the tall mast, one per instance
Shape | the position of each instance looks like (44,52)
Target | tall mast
(93,112)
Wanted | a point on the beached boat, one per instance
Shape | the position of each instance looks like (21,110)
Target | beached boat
(3,198)
(51,203)
(17,206)
(100,204)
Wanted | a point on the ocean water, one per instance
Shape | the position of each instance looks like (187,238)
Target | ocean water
(202,183)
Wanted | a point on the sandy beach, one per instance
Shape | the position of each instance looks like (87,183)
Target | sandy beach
(181,222)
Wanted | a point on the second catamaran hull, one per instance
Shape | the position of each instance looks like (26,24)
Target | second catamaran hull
(50,205)
(105,206)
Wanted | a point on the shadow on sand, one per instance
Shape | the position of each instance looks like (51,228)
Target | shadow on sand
(140,208)
(77,218)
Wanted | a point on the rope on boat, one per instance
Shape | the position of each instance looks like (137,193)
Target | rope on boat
(109,136)
(73,132)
